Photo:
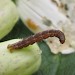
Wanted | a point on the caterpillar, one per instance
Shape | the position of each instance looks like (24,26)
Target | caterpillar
(36,38)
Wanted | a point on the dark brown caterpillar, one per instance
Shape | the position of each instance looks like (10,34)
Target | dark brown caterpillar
(38,37)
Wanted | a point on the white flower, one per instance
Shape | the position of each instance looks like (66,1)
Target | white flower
(40,15)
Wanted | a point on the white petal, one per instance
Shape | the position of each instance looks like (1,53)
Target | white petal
(42,12)
(68,51)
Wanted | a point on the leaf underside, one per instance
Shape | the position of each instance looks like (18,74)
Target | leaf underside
(51,64)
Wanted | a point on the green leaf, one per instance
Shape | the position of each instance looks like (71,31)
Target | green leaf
(51,64)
